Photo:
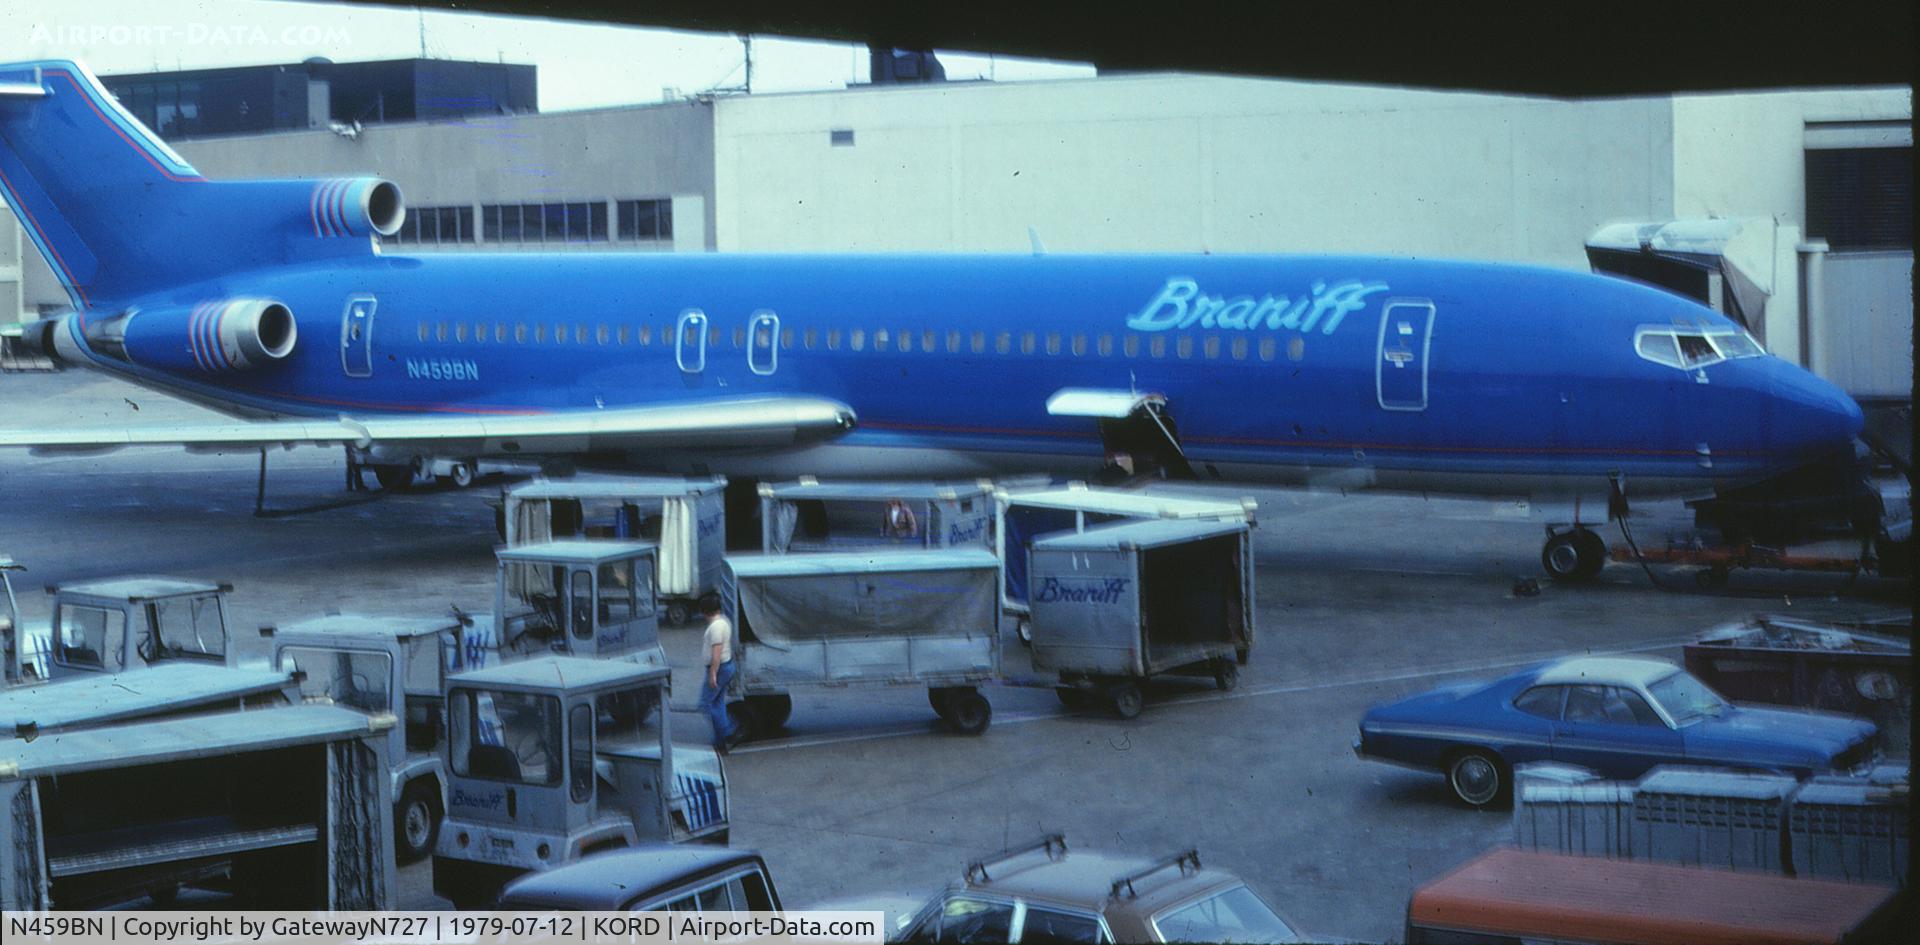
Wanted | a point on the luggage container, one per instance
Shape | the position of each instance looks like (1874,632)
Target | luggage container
(1587,817)
(686,518)
(1023,515)
(1114,605)
(1785,661)
(1706,817)
(592,599)
(95,700)
(287,808)
(878,618)
(388,666)
(1849,828)
(810,515)
(550,759)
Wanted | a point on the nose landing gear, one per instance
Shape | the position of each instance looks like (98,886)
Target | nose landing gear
(1573,554)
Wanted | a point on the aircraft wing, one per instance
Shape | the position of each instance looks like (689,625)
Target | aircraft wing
(744,422)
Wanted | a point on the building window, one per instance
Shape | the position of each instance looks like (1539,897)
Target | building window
(841,138)
(432,226)
(1861,198)
(646,219)
(539,223)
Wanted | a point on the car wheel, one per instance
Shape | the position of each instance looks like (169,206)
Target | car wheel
(461,476)
(1125,700)
(772,711)
(1477,777)
(969,712)
(416,822)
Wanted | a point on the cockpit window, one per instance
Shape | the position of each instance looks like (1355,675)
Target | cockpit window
(1690,348)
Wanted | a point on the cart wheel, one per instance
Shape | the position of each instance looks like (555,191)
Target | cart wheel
(1242,654)
(416,821)
(1070,697)
(1124,699)
(678,613)
(968,711)
(461,475)
(771,711)
(394,478)
(1023,628)
(1225,675)
(746,727)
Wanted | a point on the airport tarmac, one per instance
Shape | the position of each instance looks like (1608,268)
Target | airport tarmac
(1362,599)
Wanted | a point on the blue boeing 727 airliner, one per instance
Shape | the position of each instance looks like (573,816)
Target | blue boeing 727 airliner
(274,302)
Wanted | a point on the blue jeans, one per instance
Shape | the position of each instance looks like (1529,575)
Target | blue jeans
(713,699)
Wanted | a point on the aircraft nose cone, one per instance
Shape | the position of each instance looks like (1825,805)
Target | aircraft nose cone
(1812,416)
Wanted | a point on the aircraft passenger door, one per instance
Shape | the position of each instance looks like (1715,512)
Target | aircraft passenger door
(1400,360)
(356,337)
(763,342)
(690,341)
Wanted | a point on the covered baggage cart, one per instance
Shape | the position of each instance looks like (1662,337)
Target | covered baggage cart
(810,515)
(285,807)
(1021,516)
(1114,605)
(686,517)
(880,618)
(170,689)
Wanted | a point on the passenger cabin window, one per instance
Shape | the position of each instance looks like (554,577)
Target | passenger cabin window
(979,342)
(1543,701)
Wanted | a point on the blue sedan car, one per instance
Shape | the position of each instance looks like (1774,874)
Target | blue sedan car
(1618,716)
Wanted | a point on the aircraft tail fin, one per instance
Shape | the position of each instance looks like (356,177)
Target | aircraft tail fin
(117,213)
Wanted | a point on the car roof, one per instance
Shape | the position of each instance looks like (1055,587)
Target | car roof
(609,881)
(1633,671)
(1085,879)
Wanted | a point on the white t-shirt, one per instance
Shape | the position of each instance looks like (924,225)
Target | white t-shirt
(720,633)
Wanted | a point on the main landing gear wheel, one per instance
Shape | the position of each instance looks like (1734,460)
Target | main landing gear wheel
(1477,777)
(461,475)
(394,478)
(1574,556)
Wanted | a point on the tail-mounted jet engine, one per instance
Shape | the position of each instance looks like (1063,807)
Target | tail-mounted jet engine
(355,206)
(214,337)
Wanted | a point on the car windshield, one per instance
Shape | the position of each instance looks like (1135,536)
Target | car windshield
(1685,698)
(1236,915)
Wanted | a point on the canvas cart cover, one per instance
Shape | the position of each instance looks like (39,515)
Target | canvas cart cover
(530,515)
(931,593)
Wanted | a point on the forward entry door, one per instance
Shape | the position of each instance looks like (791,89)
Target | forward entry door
(356,337)
(1400,359)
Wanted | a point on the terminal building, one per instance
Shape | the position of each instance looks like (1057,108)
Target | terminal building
(1804,197)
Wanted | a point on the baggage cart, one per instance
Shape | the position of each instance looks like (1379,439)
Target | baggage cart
(686,518)
(287,808)
(1023,515)
(879,618)
(1787,661)
(810,515)
(1114,605)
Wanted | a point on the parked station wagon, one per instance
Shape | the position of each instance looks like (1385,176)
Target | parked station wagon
(651,877)
(1618,716)
(1043,893)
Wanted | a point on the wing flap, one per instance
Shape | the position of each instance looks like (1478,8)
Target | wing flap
(762,420)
